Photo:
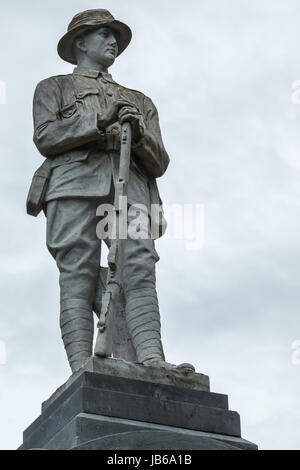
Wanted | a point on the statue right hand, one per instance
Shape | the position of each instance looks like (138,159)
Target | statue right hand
(111,115)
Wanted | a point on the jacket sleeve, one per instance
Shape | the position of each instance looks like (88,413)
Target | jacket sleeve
(149,150)
(59,130)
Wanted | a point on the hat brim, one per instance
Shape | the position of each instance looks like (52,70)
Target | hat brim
(65,47)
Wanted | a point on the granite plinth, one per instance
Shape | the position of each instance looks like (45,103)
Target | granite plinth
(135,370)
(96,410)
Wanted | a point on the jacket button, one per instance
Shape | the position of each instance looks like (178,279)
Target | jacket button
(67,158)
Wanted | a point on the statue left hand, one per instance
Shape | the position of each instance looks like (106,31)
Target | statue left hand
(131,114)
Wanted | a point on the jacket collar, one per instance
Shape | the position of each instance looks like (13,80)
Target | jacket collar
(92,73)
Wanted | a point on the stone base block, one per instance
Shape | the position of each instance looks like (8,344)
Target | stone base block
(96,410)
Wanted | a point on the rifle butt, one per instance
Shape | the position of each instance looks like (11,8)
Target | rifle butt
(103,346)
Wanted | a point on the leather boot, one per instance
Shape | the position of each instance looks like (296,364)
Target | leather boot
(77,329)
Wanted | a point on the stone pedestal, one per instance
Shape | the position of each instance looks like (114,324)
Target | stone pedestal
(113,405)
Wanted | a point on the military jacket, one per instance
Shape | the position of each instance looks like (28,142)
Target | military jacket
(85,160)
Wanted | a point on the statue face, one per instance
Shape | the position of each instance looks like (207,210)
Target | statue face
(99,45)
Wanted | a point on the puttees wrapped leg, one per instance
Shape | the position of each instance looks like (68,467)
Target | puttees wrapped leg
(77,329)
(143,319)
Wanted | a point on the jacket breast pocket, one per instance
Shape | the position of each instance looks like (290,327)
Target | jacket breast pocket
(86,92)
(87,99)
(84,100)
(68,111)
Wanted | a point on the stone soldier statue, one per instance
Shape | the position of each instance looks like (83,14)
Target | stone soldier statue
(77,121)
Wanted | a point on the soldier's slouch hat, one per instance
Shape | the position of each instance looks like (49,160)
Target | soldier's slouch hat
(87,20)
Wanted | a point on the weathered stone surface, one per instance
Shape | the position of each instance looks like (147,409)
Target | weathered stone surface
(154,440)
(121,368)
(84,124)
(131,401)
(85,428)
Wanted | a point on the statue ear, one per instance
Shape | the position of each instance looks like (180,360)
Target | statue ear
(80,43)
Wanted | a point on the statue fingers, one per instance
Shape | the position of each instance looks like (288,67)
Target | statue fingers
(128,110)
(128,117)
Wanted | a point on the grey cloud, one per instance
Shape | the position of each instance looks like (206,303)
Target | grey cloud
(220,73)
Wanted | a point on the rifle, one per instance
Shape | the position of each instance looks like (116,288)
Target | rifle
(115,259)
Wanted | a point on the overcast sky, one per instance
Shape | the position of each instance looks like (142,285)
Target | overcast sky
(220,73)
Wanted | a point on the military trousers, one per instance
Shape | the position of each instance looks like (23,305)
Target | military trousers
(73,242)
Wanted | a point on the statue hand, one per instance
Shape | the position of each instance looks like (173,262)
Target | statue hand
(131,114)
(112,114)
